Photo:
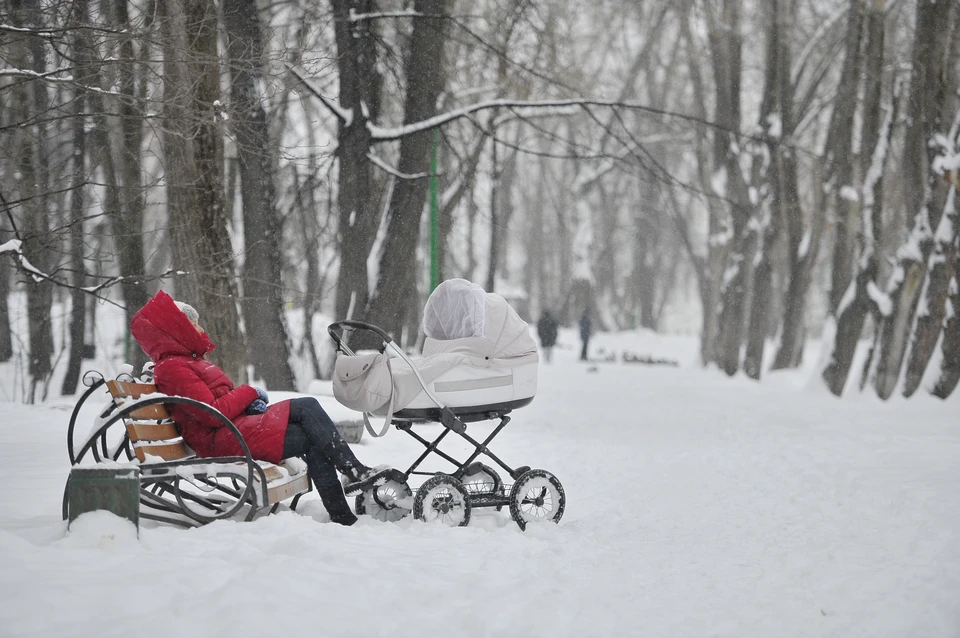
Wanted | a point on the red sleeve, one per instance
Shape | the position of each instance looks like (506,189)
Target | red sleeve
(180,380)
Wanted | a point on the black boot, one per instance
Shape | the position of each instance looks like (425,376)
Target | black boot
(336,504)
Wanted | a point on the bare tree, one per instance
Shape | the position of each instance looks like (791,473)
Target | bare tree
(925,190)
(263,300)
(30,102)
(425,78)
(857,300)
(83,57)
(193,150)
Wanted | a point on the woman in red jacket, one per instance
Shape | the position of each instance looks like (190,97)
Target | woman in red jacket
(170,333)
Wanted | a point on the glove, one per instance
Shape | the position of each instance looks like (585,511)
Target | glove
(256,407)
(262,395)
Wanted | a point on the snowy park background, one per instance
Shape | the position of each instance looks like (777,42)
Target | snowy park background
(697,505)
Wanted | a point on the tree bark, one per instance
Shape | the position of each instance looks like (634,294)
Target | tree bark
(30,100)
(934,309)
(263,299)
(501,212)
(803,239)
(940,271)
(81,53)
(6,340)
(726,45)
(360,85)
(194,152)
(925,191)
(875,137)
(426,77)
(950,365)
(709,270)
(765,178)
(126,214)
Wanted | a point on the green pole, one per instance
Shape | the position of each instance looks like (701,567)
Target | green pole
(434,215)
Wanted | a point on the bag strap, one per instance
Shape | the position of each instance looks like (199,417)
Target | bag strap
(389,417)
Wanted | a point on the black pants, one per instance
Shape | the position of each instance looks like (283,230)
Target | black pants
(312,436)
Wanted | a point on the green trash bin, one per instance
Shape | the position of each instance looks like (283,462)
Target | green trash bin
(116,490)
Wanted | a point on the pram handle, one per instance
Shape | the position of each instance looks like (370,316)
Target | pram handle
(362,325)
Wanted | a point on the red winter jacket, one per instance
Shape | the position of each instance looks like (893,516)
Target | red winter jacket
(177,350)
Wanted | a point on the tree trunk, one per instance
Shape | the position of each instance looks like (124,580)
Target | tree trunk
(934,304)
(6,340)
(860,296)
(803,240)
(850,318)
(496,236)
(501,212)
(263,300)
(193,149)
(360,85)
(764,178)
(126,216)
(452,195)
(709,270)
(839,164)
(950,365)
(81,52)
(726,44)
(940,270)
(924,189)
(396,287)
(30,100)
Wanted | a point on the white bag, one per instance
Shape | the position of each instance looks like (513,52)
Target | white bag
(363,382)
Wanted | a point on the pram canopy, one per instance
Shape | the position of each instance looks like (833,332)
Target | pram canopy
(477,352)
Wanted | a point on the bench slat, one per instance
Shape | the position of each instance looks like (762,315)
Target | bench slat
(282,492)
(124,389)
(166,451)
(156,412)
(140,431)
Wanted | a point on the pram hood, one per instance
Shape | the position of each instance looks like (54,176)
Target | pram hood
(465,328)
(461,318)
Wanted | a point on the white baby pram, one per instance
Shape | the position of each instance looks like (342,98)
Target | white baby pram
(479,363)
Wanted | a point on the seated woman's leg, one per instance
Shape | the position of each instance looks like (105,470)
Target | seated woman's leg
(307,414)
(322,434)
(322,473)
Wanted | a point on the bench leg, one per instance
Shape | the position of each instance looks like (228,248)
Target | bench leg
(296,499)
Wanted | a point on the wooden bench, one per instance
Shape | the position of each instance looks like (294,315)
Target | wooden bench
(176,485)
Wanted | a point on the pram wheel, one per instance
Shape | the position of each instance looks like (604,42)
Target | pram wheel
(388,502)
(536,496)
(442,499)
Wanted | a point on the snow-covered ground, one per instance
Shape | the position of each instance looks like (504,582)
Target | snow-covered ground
(697,505)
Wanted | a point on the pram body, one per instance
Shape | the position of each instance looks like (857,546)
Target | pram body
(479,363)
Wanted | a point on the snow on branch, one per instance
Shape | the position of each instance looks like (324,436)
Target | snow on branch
(359,17)
(559,108)
(50,76)
(344,115)
(389,169)
(14,247)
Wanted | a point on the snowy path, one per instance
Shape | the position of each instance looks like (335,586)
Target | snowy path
(696,506)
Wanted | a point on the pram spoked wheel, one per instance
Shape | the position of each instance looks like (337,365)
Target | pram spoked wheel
(443,499)
(536,496)
(388,502)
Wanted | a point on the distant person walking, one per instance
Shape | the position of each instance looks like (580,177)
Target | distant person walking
(585,331)
(547,332)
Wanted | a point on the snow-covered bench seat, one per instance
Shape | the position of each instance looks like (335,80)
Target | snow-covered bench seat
(176,485)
